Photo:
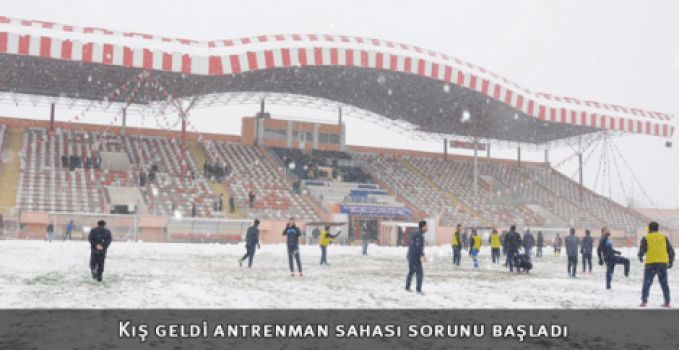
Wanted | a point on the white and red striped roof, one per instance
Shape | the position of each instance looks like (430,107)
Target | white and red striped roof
(137,50)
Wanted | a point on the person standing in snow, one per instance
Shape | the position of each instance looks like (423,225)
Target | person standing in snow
(586,251)
(50,233)
(659,257)
(292,234)
(69,230)
(251,243)
(100,239)
(502,242)
(475,247)
(416,257)
(495,246)
(610,256)
(456,243)
(365,234)
(540,244)
(572,243)
(512,244)
(528,242)
(557,245)
(325,240)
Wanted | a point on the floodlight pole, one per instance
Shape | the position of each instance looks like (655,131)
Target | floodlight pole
(183,116)
(259,116)
(476,167)
(445,148)
(580,165)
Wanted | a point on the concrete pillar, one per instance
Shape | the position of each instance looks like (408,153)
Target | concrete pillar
(183,128)
(314,136)
(518,155)
(52,113)
(122,131)
(343,143)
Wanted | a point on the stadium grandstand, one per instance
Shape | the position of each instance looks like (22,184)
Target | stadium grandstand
(184,185)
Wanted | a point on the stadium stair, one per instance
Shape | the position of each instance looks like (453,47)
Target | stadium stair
(9,175)
(308,200)
(197,152)
(448,194)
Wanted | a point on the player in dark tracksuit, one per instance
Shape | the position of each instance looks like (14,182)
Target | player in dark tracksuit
(251,243)
(572,243)
(100,239)
(586,251)
(512,244)
(540,244)
(610,256)
(528,242)
(292,234)
(416,256)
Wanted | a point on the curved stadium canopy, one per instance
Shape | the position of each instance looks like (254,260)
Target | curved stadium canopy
(397,81)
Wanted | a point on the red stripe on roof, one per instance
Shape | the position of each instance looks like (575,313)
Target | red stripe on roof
(235,64)
(215,66)
(285,55)
(24,44)
(45,46)
(3,42)
(147,62)
(107,56)
(268,59)
(379,60)
(87,52)
(252,60)
(66,50)
(167,62)
(186,64)
(318,56)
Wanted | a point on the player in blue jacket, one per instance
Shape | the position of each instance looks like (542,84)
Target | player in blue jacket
(292,234)
(416,257)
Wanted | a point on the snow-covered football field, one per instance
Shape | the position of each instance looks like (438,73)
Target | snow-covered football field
(36,274)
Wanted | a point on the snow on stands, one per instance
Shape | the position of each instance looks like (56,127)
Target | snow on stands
(36,274)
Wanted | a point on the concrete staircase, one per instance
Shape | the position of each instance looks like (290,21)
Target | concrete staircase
(275,164)
(197,152)
(10,172)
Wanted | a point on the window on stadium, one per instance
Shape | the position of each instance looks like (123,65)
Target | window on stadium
(328,138)
(275,134)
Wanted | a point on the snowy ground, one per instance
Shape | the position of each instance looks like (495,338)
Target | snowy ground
(35,274)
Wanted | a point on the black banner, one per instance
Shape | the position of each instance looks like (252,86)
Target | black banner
(339,329)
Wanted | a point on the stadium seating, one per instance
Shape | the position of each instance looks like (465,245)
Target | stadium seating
(403,181)
(320,164)
(350,193)
(46,185)
(517,188)
(437,187)
(604,209)
(252,170)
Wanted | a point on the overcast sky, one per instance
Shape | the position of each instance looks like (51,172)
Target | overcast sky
(622,52)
